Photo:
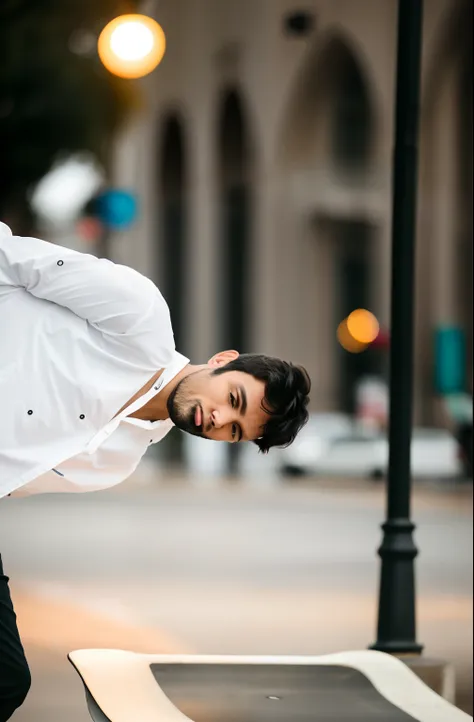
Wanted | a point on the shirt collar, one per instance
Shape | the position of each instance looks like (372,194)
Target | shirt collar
(177,364)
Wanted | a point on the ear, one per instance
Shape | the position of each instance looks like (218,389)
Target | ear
(222,358)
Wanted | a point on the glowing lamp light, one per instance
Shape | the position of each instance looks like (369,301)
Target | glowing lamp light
(131,46)
(358,330)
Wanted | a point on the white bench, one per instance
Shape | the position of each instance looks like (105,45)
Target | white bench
(362,686)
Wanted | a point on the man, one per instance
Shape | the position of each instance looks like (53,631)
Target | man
(89,378)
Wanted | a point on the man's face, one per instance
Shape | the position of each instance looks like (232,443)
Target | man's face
(226,407)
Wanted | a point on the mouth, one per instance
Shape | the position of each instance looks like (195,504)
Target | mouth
(198,418)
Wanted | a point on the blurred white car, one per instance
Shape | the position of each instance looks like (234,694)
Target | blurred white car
(340,448)
(320,429)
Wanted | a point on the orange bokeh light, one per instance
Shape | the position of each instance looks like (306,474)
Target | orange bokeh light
(363,326)
(347,341)
(131,46)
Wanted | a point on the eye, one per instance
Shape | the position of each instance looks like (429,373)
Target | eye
(235,431)
(233,400)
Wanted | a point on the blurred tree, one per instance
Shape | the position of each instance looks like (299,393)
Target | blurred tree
(56,98)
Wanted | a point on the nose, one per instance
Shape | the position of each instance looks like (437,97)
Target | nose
(220,418)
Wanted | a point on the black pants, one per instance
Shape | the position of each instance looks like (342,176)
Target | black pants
(15,677)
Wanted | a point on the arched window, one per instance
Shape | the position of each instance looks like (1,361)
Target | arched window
(235,222)
(172,220)
(352,125)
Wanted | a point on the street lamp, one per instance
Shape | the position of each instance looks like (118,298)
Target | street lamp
(397,619)
(131,46)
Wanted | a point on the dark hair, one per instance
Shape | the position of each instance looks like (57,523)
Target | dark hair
(286,396)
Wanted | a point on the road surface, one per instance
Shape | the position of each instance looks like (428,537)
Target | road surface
(226,569)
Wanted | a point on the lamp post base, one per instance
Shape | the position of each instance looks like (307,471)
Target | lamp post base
(398,648)
(396,632)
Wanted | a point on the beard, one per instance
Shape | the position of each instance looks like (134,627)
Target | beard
(181,410)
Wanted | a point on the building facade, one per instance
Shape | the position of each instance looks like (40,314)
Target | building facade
(262,162)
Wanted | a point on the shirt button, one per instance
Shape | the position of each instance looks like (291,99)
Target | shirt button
(30,412)
(82,417)
(60,263)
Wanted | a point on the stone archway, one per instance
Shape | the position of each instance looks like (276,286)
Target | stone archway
(331,115)
(235,222)
(172,221)
(328,150)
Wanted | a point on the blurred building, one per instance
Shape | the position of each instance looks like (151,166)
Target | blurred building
(263,168)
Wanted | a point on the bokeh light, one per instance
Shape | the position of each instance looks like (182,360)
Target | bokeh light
(358,331)
(131,46)
(63,191)
(348,342)
(363,326)
(89,229)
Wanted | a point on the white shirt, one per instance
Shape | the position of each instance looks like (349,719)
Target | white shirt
(79,337)
(116,452)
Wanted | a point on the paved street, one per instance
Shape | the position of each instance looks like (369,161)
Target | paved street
(228,569)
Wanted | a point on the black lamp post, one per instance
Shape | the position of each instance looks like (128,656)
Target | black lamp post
(397,619)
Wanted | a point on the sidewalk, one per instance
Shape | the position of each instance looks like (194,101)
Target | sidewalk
(50,629)
(149,478)
(168,565)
